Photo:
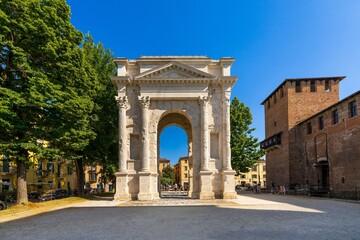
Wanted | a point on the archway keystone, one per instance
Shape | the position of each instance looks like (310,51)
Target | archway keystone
(190,92)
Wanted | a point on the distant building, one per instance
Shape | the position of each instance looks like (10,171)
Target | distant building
(312,139)
(7,174)
(257,174)
(42,175)
(182,172)
(163,163)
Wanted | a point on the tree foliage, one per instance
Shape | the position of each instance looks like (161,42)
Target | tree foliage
(245,149)
(167,176)
(51,89)
(103,149)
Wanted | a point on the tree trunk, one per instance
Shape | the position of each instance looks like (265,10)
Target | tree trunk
(21,183)
(80,176)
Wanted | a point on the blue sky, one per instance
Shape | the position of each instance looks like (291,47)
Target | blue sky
(271,40)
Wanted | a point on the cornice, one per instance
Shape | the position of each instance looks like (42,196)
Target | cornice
(214,81)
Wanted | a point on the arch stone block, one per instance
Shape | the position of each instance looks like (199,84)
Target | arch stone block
(192,92)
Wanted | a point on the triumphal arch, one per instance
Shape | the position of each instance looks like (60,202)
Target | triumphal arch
(192,92)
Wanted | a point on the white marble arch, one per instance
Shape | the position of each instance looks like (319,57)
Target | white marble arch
(190,92)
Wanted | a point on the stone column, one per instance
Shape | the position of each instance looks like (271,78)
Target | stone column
(145,161)
(228,188)
(204,102)
(122,103)
(206,176)
(145,189)
(122,188)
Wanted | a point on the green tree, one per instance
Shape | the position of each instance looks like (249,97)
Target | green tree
(103,149)
(167,176)
(44,84)
(245,149)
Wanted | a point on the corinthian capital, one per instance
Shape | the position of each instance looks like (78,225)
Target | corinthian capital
(144,101)
(121,101)
(203,100)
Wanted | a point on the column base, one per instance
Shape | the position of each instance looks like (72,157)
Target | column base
(228,184)
(206,188)
(145,186)
(122,189)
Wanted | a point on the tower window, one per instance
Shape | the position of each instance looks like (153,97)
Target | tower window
(297,86)
(335,116)
(327,86)
(321,123)
(312,86)
(309,128)
(352,109)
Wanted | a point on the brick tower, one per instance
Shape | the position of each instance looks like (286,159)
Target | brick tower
(291,102)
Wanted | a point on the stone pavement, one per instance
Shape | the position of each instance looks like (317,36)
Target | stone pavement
(250,216)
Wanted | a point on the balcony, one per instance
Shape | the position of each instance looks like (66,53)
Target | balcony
(272,142)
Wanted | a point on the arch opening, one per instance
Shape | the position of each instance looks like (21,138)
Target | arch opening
(174,150)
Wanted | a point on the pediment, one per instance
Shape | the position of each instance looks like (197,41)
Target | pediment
(173,70)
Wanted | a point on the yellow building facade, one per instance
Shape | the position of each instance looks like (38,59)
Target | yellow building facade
(92,176)
(181,170)
(257,174)
(44,175)
(163,163)
(41,175)
(7,174)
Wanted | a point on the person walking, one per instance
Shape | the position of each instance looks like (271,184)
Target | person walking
(258,188)
(272,187)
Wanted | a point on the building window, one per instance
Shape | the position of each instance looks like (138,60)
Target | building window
(39,169)
(268,104)
(50,167)
(327,86)
(6,166)
(297,86)
(312,86)
(185,161)
(281,92)
(92,177)
(254,176)
(185,168)
(321,123)
(40,184)
(58,174)
(69,170)
(243,176)
(6,184)
(185,175)
(309,128)
(335,116)
(352,109)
